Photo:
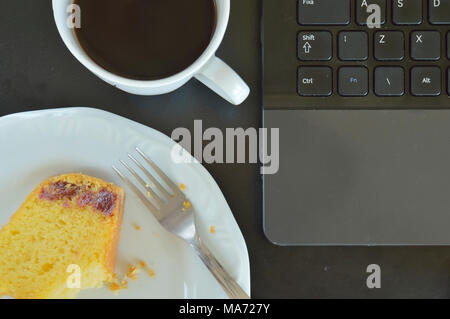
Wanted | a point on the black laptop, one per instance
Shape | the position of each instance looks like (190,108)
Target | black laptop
(360,90)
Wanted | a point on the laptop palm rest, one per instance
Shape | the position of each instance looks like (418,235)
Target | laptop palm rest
(359,177)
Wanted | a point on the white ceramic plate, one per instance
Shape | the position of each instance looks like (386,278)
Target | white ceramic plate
(40,144)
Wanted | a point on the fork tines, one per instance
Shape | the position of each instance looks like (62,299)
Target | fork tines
(152,193)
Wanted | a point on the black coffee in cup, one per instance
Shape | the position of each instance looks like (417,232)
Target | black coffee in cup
(145,39)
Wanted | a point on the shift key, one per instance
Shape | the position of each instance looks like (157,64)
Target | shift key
(323,12)
(315,46)
(315,81)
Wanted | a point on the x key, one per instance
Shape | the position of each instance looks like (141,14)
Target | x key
(426,45)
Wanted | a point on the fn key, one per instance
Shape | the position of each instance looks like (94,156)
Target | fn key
(315,81)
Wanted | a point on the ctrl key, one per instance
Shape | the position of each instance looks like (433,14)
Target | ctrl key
(315,81)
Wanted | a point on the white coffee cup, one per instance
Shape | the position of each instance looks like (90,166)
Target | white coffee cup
(208,69)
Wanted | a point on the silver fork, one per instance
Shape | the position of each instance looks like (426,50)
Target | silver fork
(176,214)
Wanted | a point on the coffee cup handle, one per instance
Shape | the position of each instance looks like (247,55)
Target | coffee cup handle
(223,80)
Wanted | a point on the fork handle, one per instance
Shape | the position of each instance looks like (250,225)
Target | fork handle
(231,287)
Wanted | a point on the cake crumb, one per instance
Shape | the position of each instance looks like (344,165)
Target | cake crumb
(141,264)
(187,204)
(137,227)
(114,287)
(212,229)
(132,273)
(124,284)
(150,272)
(182,187)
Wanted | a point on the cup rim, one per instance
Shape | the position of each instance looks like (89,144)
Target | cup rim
(222,22)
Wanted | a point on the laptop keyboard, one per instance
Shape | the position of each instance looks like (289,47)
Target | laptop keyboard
(341,56)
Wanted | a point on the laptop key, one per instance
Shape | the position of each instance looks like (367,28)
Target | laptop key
(439,11)
(448,81)
(315,46)
(389,45)
(426,45)
(353,46)
(323,12)
(353,81)
(315,81)
(407,12)
(448,45)
(363,13)
(426,81)
(389,81)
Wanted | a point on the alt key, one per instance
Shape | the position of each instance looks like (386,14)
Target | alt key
(426,81)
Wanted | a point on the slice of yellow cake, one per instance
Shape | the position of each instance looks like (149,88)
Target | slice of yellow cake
(62,239)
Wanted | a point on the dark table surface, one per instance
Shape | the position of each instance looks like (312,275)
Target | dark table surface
(38,72)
